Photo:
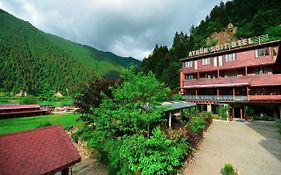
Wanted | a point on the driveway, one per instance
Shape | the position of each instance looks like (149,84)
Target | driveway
(254,148)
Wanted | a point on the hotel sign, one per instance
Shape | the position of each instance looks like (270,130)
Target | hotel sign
(231,45)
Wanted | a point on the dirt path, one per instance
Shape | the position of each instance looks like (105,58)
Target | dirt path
(254,148)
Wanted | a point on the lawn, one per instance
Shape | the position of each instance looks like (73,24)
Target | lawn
(26,123)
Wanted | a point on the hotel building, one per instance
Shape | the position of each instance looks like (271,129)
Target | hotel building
(241,73)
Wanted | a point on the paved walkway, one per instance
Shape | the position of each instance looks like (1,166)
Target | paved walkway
(254,148)
(89,167)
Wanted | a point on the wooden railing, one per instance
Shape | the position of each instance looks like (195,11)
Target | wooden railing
(223,98)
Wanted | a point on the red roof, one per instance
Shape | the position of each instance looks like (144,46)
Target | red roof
(16,106)
(38,151)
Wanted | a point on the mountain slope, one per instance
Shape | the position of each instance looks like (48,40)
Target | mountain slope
(39,63)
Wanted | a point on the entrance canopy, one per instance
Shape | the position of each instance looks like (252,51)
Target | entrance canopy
(178,105)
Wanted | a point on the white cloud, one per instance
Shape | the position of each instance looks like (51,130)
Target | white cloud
(125,27)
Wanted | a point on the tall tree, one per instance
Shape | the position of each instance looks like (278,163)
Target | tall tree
(126,129)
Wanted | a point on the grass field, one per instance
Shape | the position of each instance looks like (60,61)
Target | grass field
(26,123)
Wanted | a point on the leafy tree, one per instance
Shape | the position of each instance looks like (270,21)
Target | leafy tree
(92,94)
(126,130)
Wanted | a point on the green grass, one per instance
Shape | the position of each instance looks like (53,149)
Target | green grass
(63,102)
(26,123)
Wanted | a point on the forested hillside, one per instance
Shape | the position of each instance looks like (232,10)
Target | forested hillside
(40,63)
(250,18)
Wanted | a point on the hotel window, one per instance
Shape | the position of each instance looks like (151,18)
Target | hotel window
(189,77)
(262,52)
(215,61)
(260,71)
(230,57)
(206,61)
(188,64)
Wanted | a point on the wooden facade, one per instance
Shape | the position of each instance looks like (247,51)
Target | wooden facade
(14,110)
(244,75)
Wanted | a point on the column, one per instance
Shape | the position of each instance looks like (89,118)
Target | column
(232,113)
(233,93)
(241,113)
(280,111)
(218,94)
(228,115)
(246,70)
(170,119)
(209,108)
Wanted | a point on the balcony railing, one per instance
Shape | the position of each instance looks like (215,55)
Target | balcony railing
(248,80)
(216,98)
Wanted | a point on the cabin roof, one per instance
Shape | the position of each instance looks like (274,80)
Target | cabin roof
(39,151)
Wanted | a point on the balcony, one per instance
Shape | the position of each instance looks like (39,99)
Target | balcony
(220,98)
(248,80)
(265,98)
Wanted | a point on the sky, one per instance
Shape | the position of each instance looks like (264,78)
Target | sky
(124,27)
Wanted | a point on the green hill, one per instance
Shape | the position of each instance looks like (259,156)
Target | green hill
(39,63)
(249,18)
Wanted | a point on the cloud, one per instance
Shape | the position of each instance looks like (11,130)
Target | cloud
(125,27)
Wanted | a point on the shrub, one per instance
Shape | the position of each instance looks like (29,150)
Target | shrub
(222,111)
(264,117)
(228,169)
(190,112)
(216,116)
(249,111)
(28,100)
(278,124)
(154,155)
(196,124)
(44,124)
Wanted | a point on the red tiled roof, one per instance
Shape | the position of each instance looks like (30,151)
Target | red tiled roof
(38,151)
(16,106)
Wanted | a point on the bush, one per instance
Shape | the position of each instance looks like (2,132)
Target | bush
(44,124)
(216,116)
(278,124)
(264,117)
(28,100)
(154,155)
(228,169)
(222,111)
(249,112)
(196,124)
(190,112)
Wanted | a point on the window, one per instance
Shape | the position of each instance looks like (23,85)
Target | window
(188,64)
(262,52)
(189,77)
(206,61)
(230,57)
(196,64)
(220,60)
(260,71)
(215,61)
